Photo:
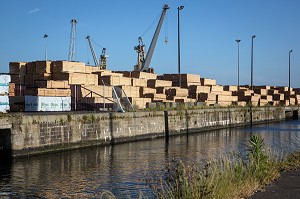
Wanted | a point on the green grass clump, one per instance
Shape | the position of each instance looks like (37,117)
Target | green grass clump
(228,177)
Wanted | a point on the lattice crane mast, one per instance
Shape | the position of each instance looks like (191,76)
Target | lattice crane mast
(102,63)
(143,61)
(72,40)
(103,59)
(92,51)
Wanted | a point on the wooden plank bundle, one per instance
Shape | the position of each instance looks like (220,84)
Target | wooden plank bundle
(42,76)
(243,92)
(48,92)
(17,68)
(139,103)
(153,83)
(208,82)
(31,68)
(202,97)
(177,98)
(226,98)
(178,92)
(130,91)
(155,96)
(145,90)
(186,79)
(114,81)
(67,67)
(138,82)
(263,102)
(43,67)
(278,97)
(29,80)
(17,79)
(77,78)
(96,90)
(194,90)
(261,91)
(143,75)
(269,98)
(124,73)
(272,91)
(51,84)
(227,93)
(11,89)
(230,88)
(216,88)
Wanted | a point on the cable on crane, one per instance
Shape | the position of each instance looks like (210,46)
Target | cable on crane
(87,54)
(166,29)
(154,21)
(97,44)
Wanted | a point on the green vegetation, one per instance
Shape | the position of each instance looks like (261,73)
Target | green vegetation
(229,177)
(69,118)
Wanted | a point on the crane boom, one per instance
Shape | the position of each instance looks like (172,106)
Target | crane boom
(146,63)
(72,40)
(93,51)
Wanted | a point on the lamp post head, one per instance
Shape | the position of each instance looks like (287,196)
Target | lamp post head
(238,40)
(290,51)
(180,7)
(253,36)
(45,35)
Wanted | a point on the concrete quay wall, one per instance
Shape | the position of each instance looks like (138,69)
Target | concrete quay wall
(41,133)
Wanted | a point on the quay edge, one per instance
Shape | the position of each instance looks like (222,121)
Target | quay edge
(25,134)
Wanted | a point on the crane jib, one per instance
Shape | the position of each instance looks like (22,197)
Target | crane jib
(146,63)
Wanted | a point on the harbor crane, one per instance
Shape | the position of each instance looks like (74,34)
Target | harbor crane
(102,63)
(72,40)
(143,60)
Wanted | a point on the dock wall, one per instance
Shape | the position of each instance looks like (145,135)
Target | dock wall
(44,133)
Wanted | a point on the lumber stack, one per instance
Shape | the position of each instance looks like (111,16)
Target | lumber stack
(186,79)
(95,86)
(143,75)
(114,81)
(208,82)
(153,83)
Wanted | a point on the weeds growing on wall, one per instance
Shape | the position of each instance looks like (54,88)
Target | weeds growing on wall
(231,176)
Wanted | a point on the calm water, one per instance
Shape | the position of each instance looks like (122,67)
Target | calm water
(122,168)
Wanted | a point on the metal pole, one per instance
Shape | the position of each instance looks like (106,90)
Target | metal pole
(253,36)
(290,74)
(45,42)
(179,76)
(238,59)
(103,95)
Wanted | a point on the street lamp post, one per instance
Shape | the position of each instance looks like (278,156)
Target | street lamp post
(179,76)
(238,65)
(290,71)
(45,41)
(253,36)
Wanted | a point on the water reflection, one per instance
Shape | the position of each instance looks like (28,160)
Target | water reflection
(122,168)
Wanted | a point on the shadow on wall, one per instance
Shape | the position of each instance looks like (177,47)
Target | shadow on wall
(5,143)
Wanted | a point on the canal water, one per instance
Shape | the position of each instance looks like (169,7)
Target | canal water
(123,168)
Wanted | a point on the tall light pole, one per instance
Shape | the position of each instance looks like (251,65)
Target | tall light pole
(45,42)
(238,64)
(290,71)
(179,76)
(253,36)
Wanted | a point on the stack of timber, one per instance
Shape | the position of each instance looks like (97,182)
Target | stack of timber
(185,79)
(95,86)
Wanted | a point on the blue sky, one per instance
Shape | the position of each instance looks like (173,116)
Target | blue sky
(209,29)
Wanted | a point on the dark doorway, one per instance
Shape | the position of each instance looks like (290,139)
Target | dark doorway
(295,114)
(5,143)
